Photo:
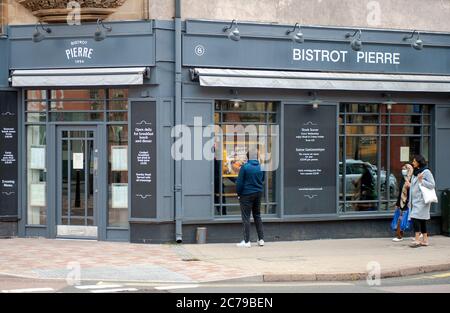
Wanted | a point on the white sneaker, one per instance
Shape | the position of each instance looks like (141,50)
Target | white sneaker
(244,244)
(261,243)
(397,239)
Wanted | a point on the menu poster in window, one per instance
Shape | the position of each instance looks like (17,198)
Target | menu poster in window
(143,159)
(37,195)
(37,157)
(404,154)
(8,154)
(309,159)
(119,196)
(77,161)
(119,158)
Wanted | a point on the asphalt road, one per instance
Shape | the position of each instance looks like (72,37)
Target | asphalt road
(425,283)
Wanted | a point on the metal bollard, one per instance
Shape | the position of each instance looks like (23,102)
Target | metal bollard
(201,235)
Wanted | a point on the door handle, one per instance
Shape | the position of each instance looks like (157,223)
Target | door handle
(95,166)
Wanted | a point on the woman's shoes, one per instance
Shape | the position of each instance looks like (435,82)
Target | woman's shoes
(415,244)
(396,239)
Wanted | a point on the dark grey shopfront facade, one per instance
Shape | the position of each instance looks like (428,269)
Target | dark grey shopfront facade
(95,121)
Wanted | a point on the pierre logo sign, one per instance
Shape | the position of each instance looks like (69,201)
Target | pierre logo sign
(79,52)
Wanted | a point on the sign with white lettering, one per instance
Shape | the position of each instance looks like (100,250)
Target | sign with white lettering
(8,154)
(309,159)
(79,51)
(129,44)
(143,159)
(313,55)
(335,56)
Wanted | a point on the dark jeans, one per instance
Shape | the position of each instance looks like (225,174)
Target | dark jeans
(251,204)
(420,226)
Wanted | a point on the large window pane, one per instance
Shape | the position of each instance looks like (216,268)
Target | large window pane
(76,116)
(36,106)
(361,162)
(36,94)
(65,105)
(36,175)
(372,177)
(233,151)
(66,94)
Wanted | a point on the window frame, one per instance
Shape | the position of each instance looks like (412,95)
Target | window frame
(271,117)
(384,127)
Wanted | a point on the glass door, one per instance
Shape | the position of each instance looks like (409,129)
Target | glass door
(77,156)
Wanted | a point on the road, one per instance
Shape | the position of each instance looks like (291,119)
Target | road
(426,283)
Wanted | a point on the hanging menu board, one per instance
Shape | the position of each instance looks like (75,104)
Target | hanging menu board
(143,159)
(309,159)
(8,154)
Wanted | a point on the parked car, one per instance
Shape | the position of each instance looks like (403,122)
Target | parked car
(354,169)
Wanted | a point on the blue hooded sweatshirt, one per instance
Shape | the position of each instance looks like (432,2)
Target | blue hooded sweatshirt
(250,179)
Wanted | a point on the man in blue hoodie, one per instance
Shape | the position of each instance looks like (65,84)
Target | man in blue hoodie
(250,186)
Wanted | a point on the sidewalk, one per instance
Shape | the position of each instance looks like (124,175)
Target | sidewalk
(343,259)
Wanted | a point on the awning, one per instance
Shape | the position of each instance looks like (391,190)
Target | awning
(212,77)
(79,77)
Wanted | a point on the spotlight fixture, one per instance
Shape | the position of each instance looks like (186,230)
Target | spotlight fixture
(232,34)
(416,44)
(356,43)
(99,34)
(315,102)
(235,99)
(388,102)
(37,35)
(296,36)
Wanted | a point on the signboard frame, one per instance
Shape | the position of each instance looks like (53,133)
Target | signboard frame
(330,206)
(142,198)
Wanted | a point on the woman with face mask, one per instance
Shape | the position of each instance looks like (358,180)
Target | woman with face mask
(403,197)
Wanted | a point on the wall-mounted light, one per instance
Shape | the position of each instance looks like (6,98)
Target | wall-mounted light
(416,44)
(99,34)
(388,102)
(315,102)
(356,42)
(296,36)
(235,100)
(233,34)
(37,35)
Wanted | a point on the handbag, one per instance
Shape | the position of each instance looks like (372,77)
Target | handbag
(429,195)
(395,219)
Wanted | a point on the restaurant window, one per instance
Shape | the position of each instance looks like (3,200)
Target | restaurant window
(108,106)
(229,115)
(374,144)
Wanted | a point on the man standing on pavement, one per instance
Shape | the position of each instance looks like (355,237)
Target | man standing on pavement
(250,186)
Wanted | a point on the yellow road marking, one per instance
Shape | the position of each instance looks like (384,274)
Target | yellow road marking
(445,275)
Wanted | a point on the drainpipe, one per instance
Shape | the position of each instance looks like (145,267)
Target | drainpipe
(178,107)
